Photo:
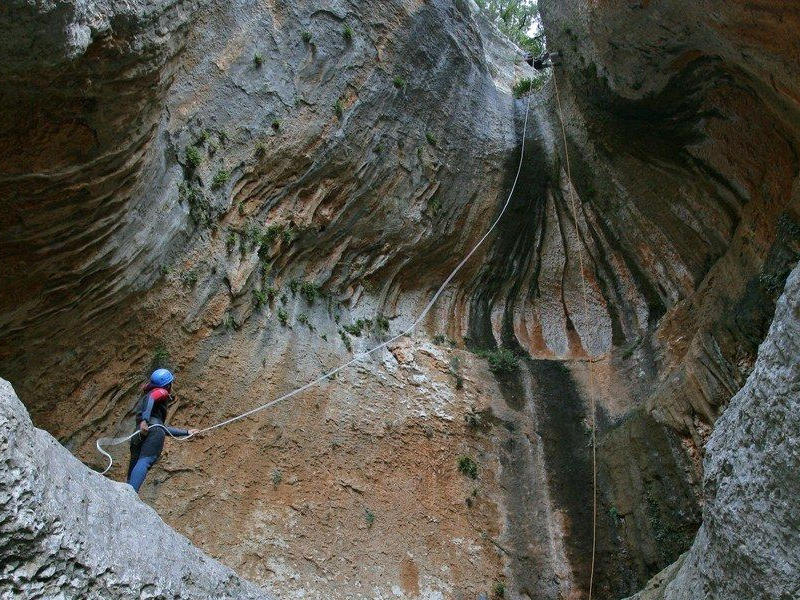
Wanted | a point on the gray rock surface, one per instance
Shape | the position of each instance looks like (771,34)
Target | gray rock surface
(67,532)
(749,543)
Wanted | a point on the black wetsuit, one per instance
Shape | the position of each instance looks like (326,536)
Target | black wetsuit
(146,450)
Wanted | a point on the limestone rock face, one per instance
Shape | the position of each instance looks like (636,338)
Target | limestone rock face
(250,191)
(749,543)
(67,532)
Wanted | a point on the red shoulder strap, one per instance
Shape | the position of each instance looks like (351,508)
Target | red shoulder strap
(159,395)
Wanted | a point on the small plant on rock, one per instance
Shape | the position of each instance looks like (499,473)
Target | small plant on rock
(230,241)
(160,358)
(259,298)
(347,33)
(369,517)
(499,590)
(306,36)
(399,82)
(258,60)
(221,177)
(431,138)
(189,278)
(501,360)
(337,109)
(467,466)
(283,316)
(276,124)
(277,477)
(309,291)
(193,157)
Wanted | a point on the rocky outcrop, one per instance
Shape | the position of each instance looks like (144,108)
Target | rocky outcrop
(748,544)
(67,532)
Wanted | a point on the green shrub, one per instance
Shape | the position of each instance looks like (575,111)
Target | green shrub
(501,360)
(302,318)
(288,235)
(347,33)
(309,291)
(357,327)
(431,138)
(283,316)
(260,150)
(369,517)
(337,109)
(203,137)
(294,285)
(499,589)
(258,60)
(467,466)
(346,340)
(276,124)
(193,157)
(160,358)
(526,85)
(306,35)
(271,234)
(399,82)
(220,178)
(230,241)
(277,477)
(382,323)
(259,298)
(189,278)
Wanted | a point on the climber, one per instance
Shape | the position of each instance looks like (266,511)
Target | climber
(548,59)
(150,416)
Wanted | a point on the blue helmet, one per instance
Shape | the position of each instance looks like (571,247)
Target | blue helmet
(161,377)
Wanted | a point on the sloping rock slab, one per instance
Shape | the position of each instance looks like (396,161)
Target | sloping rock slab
(749,543)
(68,532)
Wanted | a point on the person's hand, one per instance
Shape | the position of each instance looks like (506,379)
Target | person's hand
(194,431)
(143,428)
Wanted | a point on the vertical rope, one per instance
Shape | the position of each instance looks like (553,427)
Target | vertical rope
(586,316)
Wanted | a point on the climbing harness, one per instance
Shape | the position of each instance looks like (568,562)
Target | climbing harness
(586,316)
(104,442)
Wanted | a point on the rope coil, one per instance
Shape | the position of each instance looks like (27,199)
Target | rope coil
(107,441)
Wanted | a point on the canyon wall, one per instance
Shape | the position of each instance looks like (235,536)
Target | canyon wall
(247,192)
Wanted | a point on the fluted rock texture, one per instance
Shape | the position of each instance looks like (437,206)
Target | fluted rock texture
(66,532)
(749,543)
(248,191)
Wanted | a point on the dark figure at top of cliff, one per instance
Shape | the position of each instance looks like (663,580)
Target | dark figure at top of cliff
(548,59)
(151,414)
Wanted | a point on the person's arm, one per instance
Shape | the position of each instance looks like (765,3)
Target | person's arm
(177,432)
(148,409)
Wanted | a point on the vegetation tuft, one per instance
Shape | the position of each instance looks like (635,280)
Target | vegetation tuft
(399,82)
(221,177)
(258,60)
(193,157)
(467,466)
(347,33)
(283,316)
(501,360)
(306,35)
(527,85)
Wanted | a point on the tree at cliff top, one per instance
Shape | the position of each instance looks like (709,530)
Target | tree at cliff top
(517,19)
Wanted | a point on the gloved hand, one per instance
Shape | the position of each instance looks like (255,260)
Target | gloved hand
(143,427)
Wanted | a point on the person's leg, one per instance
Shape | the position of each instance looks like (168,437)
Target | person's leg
(149,451)
(139,471)
(136,450)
